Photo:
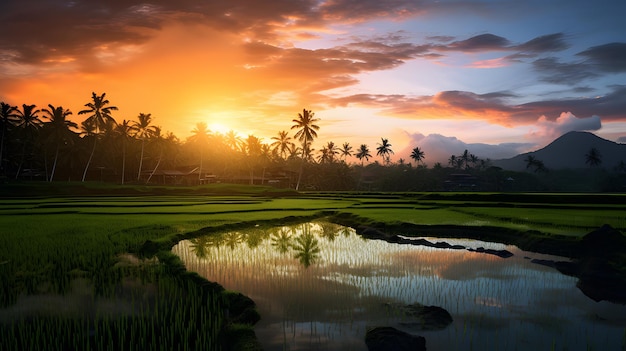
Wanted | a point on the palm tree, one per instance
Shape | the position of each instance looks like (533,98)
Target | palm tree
(328,152)
(282,144)
(157,141)
(307,131)
(124,131)
(307,248)
(254,150)
(465,158)
(363,153)
(143,130)
(530,161)
(59,131)
(8,117)
(384,150)
(593,158)
(200,136)
(100,116)
(29,123)
(417,155)
(233,140)
(452,161)
(346,150)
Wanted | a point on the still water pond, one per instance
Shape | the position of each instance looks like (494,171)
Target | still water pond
(320,286)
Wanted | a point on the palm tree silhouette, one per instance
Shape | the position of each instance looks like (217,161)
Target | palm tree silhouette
(58,131)
(200,136)
(307,132)
(345,150)
(281,240)
(254,150)
(593,158)
(28,123)
(282,144)
(328,152)
(363,153)
(158,142)
(8,117)
(417,155)
(452,161)
(233,140)
(143,130)
(100,116)
(124,131)
(306,247)
(384,150)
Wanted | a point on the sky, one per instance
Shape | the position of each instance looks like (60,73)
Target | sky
(495,77)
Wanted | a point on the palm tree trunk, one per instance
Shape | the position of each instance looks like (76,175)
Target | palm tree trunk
(2,149)
(155,167)
(93,150)
(19,167)
(54,165)
(300,173)
(123,160)
(141,159)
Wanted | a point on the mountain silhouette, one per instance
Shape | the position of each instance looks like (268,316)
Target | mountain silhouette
(568,152)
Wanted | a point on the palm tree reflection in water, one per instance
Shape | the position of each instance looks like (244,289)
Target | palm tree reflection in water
(307,248)
(305,245)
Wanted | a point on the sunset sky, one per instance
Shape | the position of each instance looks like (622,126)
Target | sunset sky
(496,77)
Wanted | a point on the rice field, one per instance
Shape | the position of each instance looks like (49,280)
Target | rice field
(73,270)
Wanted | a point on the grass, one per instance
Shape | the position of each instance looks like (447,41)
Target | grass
(55,237)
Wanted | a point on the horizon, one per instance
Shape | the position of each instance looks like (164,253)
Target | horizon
(496,79)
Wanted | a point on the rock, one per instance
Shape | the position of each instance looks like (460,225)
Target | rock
(499,253)
(392,339)
(600,267)
(427,317)
(604,240)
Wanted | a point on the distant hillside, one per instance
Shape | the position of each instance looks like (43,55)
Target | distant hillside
(568,152)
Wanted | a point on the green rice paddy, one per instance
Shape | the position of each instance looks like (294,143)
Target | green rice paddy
(81,255)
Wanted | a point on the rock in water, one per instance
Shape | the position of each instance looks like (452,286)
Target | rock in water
(392,339)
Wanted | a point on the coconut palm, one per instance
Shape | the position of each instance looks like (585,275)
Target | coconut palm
(452,161)
(306,133)
(157,141)
(417,155)
(58,131)
(282,144)
(124,132)
(281,240)
(328,153)
(143,130)
(384,150)
(307,248)
(8,117)
(99,117)
(28,123)
(593,158)
(345,150)
(254,150)
(363,153)
(233,140)
(200,136)
(530,161)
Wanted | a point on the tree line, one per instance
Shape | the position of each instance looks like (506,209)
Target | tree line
(44,144)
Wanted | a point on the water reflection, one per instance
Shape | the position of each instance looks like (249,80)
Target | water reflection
(320,286)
